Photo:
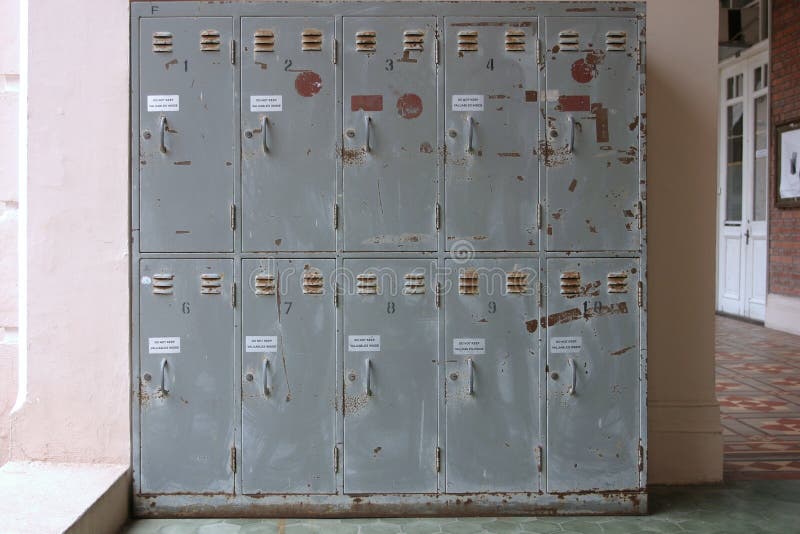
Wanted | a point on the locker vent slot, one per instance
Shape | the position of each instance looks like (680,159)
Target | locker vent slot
(162,42)
(367,284)
(209,41)
(211,284)
(313,282)
(413,40)
(517,282)
(264,41)
(414,284)
(265,284)
(515,41)
(162,283)
(571,284)
(468,282)
(468,41)
(616,41)
(569,41)
(311,40)
(366,41)
(617,282)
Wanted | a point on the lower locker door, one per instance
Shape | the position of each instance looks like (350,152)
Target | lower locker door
(593,387)
(186,395)
(390,382)
(492,384)
(288,369)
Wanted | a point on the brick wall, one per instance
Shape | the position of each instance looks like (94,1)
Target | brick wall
(784,224)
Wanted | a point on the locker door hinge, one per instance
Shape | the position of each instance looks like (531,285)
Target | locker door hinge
(233,459)
(335,459)
(233,51)
(641,215)
(438,459)
(336,296)
(539,215)
(233,295)
(539,52)
(335,216)
(640,463)
(540,299)
(640,294)
(334,51)
(233,216)
(438,296)
(537,452)
(435,50)
(438,216)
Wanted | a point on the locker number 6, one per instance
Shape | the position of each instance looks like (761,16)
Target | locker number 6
(185,308)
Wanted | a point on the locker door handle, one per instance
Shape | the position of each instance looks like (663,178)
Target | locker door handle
(264,126)
(367,377)
(267,379)
(164,389)
(471,376)
(571,388)
(367,128)
(471,126)
(571,145)
(162,133)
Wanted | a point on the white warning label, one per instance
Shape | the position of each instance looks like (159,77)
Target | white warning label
(369,343)
(266,102)
(464,346)
(164,345)
(566,344)
(163,103)
(261,344)
(467,102)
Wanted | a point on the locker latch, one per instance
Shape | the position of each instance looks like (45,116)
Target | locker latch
(438,459)
(537,452)
(233,459)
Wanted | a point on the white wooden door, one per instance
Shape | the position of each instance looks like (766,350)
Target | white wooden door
(743,183)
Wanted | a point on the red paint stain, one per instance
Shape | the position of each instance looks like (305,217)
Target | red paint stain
(308,83)
(366,102)
(409,106)
(582,72)
(574,103)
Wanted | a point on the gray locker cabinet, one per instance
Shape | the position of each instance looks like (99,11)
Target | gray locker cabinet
(389,152)
(288,377)
(390,382)
(186,118)
(186,399)
(492,130)
(593,117)
(288,134)
(492,376)
(593,388)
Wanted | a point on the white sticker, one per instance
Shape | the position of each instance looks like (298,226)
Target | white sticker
(552,95)
(163,103)
(146,281)
(261,343)
(266,102)
(464,346)
(762,153)
(364,343)
(566,344)
(164,345)
(467,102)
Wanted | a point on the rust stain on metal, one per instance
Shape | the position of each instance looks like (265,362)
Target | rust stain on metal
(601,124)
(498,97)
(592,228)
(366,103)
(188,162)
(595,58)
(622,351)
(168,64)
(549,230)
(354,156)
(581,9)
(480,237)
(490,23)
(630,155)
(574,103)
(407,57)
(508,154)
(278,242)
(425,148)
(574,314)
(308,83)
(262,65)
(531,96)
(520,179)
(531,325)
(409,106)
(572,185)
(632,126)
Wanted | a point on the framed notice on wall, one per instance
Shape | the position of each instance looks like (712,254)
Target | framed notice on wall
(787,188)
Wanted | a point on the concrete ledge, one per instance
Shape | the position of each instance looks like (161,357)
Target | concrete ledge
(45,497)
(782,313)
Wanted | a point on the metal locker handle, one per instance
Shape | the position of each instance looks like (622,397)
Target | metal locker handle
(571,389)
(162,133)
(571,145)
(367,377)
(164,389)
(367,127)
(471,125)
(264,126)
(471,382)
(267,379)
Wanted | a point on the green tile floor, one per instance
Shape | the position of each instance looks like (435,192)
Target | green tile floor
(744,506)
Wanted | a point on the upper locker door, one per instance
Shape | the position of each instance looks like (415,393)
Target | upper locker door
(592,153)
(492,384)
(186,119)
(593,389)
(389,149)
(390,382)
(288,377)
(288,134)
(492,130)
(186,395)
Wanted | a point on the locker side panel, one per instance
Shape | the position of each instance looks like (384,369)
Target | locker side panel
(492,391)
(593,383)
(288,382)
(186,114)
(492,124)
(389,150)
(186,382)
(390,382)
(288,134)
(592,150)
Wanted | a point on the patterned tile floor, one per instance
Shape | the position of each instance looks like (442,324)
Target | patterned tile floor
(758,387)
